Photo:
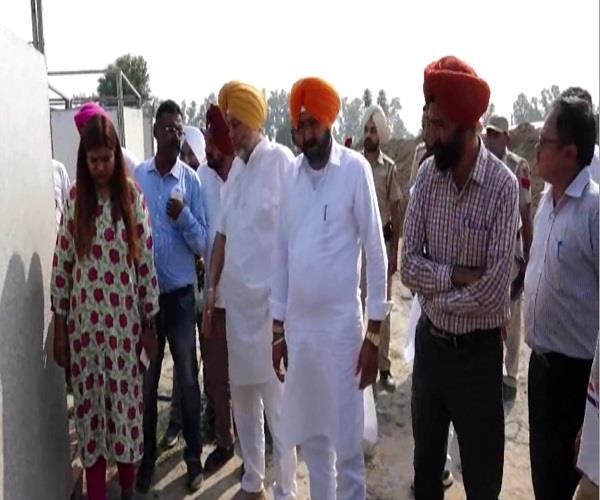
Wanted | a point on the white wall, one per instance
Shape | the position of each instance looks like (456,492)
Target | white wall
(134,132)
(34,451)
(65,138)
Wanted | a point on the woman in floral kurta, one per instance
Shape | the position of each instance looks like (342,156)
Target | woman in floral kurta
(105,297)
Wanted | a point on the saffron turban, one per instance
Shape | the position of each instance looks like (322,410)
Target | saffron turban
(457,90)
(317,97)
(87,111)
(245,103)
(218,129)
(381,124)
(195,140)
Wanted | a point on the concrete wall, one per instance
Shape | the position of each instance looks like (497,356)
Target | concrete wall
(65,138)
(34,446)
(134,132)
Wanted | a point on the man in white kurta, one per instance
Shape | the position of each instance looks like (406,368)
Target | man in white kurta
(328,211)
(241,265)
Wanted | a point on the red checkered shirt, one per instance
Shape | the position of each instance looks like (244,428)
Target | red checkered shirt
(473,227)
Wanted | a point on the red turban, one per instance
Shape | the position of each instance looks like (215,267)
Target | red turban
(457,90)
(219,131)
(317,97)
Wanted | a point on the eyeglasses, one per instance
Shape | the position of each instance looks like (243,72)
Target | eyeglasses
(173,130)
(542,141)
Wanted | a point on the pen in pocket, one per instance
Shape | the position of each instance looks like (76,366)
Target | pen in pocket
(325,213)
(558,249)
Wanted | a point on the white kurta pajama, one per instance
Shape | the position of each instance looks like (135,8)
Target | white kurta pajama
(315,291)
(248,221)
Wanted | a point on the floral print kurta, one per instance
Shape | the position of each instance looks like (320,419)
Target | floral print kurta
(104,297)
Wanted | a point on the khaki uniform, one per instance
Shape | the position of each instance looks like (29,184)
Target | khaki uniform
(520,168)
(420,151)
(388,192)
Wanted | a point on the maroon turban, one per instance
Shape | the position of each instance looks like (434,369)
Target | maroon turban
(457,90)
(219,131)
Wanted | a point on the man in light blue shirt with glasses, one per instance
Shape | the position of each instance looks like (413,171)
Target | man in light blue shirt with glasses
(179,228)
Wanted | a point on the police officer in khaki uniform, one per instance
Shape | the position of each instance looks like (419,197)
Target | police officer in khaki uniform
(377,132)
(497,140)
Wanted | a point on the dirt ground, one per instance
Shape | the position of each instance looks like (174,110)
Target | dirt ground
(389,463)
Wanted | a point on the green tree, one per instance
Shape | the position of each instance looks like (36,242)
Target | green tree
(526,111)
(367,98)
(135,69)
(548,97)
(278,126)
(383,102)
(488,114)
(348,123)
(397,126)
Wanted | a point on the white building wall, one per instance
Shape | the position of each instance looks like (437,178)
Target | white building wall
(34,443)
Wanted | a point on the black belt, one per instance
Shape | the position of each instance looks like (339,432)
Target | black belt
(458,340)
(178,292)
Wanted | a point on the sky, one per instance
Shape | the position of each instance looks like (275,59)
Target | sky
(193,47)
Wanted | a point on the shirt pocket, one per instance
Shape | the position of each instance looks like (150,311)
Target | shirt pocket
(474,247)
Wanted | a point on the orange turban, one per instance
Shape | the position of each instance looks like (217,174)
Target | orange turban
(457,90)
(244,102)
(317,97)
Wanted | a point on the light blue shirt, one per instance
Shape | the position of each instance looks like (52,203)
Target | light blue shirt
(176,242)
(561,283)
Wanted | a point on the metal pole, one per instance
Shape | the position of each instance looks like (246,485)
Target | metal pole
(34,23)
(40,19)
(120,113)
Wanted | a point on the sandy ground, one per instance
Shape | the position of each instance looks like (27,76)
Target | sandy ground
(389,463)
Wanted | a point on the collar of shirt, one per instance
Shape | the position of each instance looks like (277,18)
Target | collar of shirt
(479,170)
(379,160)
(175,170)
(256,151)
(335,157)
(576,188)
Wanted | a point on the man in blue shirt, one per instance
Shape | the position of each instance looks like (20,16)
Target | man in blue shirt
(179,228)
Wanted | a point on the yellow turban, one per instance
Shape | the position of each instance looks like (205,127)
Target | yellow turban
(317,97)
(245,103)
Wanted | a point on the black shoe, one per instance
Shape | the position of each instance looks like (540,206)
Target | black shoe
(144,477)
(387,381)
(217,459)
(172,435)
(509,392)
(194,476)
(447,480)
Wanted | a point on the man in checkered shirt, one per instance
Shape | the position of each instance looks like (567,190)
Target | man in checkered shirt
(458,249)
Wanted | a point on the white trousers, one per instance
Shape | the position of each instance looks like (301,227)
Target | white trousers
(330,479)
(513,342)
(249,402)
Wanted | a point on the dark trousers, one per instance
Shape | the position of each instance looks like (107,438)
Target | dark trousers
(175,323)
(216,372)
(557,393)
(458,382)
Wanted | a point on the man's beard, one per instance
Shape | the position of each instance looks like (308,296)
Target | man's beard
(371,146)
(317,151)
(448,155)
(214,163)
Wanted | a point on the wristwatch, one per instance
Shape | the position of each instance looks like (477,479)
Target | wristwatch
(374,338)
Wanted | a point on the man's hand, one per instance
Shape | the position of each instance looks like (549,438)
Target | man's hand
(174,208)
(61,342)
(149,340)
(465,276)
(208,312)
(368,360)
(279,354)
